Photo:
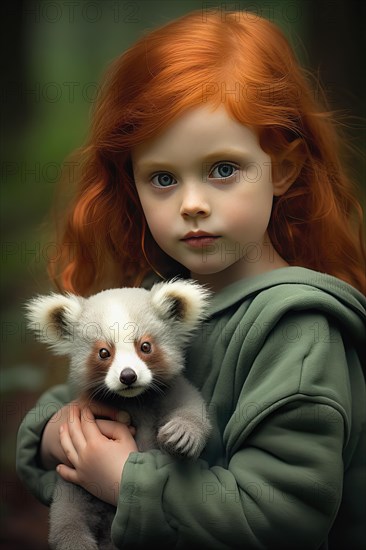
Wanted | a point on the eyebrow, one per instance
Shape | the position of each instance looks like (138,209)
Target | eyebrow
(225,154)
(220,154)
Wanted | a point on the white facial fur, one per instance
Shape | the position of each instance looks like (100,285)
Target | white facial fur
(128,360)
(121,322)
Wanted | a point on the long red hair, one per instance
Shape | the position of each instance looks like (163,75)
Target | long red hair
(245,63)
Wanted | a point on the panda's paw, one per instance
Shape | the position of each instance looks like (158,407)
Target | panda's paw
(184,436)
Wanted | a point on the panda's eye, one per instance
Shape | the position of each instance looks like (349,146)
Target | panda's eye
(146,347)
(104,353)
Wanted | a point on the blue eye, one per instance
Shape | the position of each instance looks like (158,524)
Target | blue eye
(163,180)
(223,170)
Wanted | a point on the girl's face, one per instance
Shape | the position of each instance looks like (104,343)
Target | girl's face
(206,190)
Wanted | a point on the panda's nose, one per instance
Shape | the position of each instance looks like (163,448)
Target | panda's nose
(128,376)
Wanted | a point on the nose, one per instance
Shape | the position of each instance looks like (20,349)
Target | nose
(128,376)
(194,202)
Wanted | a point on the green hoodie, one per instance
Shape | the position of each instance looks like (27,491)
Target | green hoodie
(279,362)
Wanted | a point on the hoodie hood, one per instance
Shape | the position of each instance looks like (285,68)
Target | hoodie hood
(296,288)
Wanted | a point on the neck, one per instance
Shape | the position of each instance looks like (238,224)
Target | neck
(244,268)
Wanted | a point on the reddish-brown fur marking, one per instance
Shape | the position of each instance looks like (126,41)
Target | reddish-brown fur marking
(155,360)
(97,368)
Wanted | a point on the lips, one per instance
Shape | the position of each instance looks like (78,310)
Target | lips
(197,239)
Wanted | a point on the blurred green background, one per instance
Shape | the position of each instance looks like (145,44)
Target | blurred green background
(54,54)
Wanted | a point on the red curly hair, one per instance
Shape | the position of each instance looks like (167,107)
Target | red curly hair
(247,64)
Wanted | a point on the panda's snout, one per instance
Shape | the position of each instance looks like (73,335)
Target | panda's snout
(128,376)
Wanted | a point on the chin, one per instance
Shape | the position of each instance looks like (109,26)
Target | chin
(130,392)
(208,269)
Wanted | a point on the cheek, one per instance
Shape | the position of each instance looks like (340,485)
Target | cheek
(160,223)
(97,368)
(157,224)
(156,361)
(153,214)
(251,211)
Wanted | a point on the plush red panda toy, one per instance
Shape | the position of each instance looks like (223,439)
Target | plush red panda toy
(126,347)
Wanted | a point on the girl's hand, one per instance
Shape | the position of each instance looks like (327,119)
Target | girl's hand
(51,451)
(97,451)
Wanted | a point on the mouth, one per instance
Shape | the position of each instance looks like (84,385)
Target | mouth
(131,391)
(197,239)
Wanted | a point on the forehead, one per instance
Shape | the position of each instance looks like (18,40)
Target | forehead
(201,131)
(118,311)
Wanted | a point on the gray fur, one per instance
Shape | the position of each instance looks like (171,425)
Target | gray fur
(171,416)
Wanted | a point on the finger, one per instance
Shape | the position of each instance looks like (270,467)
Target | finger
(67,445)
(114,430)
(73,411)
(132,430)
(75,431)
(89,426)
(101,409)
(68,474)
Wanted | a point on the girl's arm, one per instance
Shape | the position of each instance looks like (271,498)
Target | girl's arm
(29,462)
(39,449)
(281,490)
(278,482)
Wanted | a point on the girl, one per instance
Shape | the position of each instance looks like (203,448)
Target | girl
(209,157)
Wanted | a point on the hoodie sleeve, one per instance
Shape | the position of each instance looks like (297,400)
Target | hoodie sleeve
(40,482)
(265,498)
(281,483)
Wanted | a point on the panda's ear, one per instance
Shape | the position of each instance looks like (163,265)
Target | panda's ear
(53,319)
(180,300)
